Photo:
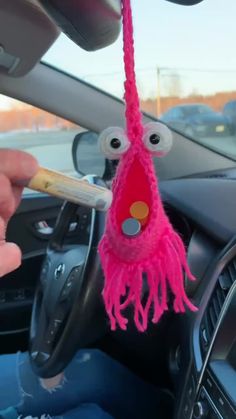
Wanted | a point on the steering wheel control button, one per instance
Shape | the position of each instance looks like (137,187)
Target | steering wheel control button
(59,271)
(139,210)
(44,271)
(73,226)
(55,324)
(52,330)
(83,221)
(131,227)
(71,282)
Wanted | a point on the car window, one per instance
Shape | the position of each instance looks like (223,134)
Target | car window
(177,113)
(203,109)
(167,115)
(230,107)
(195,110)
(182,58)
(48,137)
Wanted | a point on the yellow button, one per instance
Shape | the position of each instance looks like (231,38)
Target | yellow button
(140,211)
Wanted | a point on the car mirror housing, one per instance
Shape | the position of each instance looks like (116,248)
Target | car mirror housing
(92,27)
(88,159)
(186,2)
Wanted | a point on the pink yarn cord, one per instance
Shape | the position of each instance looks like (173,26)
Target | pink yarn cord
(133,114)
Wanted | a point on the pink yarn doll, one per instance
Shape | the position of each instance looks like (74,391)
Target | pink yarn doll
(139,245)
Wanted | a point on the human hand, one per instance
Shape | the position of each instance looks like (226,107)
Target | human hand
(16,168)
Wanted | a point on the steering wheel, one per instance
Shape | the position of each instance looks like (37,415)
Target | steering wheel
(68,311)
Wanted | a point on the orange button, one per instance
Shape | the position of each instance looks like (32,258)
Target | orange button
(139,210)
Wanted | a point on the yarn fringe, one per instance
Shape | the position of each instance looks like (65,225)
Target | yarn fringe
(145,285)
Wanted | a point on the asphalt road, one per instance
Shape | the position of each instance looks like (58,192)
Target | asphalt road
(53,149)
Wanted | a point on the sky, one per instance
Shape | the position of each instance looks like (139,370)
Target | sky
(200,38)
(184,39)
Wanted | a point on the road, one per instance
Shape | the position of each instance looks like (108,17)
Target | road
(53,149)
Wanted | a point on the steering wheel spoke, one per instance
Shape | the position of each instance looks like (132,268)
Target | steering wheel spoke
(68,311)
(48,332)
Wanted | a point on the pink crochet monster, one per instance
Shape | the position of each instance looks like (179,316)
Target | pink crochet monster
(139,248)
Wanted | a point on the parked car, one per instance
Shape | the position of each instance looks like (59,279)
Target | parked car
(197,120)
(229,111)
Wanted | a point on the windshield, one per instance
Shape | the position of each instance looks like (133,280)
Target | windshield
(184,55)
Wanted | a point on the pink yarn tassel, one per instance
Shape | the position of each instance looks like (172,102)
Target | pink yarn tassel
(124,283)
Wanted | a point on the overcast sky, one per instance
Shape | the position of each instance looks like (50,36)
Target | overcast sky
(201,37)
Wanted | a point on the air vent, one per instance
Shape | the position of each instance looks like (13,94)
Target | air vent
(211,316)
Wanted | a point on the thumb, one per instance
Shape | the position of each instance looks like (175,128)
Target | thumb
(10,258)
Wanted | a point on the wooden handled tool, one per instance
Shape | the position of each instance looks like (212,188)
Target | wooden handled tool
(71,189)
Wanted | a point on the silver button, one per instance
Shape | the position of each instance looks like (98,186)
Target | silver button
(131,227)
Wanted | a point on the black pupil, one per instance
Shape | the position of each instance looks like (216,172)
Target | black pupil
(115,143)
(154,139)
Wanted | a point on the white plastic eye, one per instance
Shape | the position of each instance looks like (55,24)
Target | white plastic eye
(157,138)
(113,142)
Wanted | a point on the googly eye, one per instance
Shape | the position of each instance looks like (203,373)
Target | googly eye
(157,138)
(113,142)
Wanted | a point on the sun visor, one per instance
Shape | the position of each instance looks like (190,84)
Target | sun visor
(26,33)
(91,24)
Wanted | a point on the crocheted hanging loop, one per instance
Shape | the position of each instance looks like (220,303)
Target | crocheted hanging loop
(140,249)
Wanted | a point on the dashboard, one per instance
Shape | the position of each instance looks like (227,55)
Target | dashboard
(210,386)
(206,355)
(202,355)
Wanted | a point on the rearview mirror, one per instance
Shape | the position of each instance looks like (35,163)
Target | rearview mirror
(91,24)
(186,2)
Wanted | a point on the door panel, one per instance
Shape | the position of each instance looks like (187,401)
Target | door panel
(23,227)
(17,288)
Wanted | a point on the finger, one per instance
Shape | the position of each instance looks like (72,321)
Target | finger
(7,200)
(2,230)
(17,165)
(17,193)
(10,258)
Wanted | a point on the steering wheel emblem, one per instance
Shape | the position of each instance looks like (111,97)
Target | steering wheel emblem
(59,271)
